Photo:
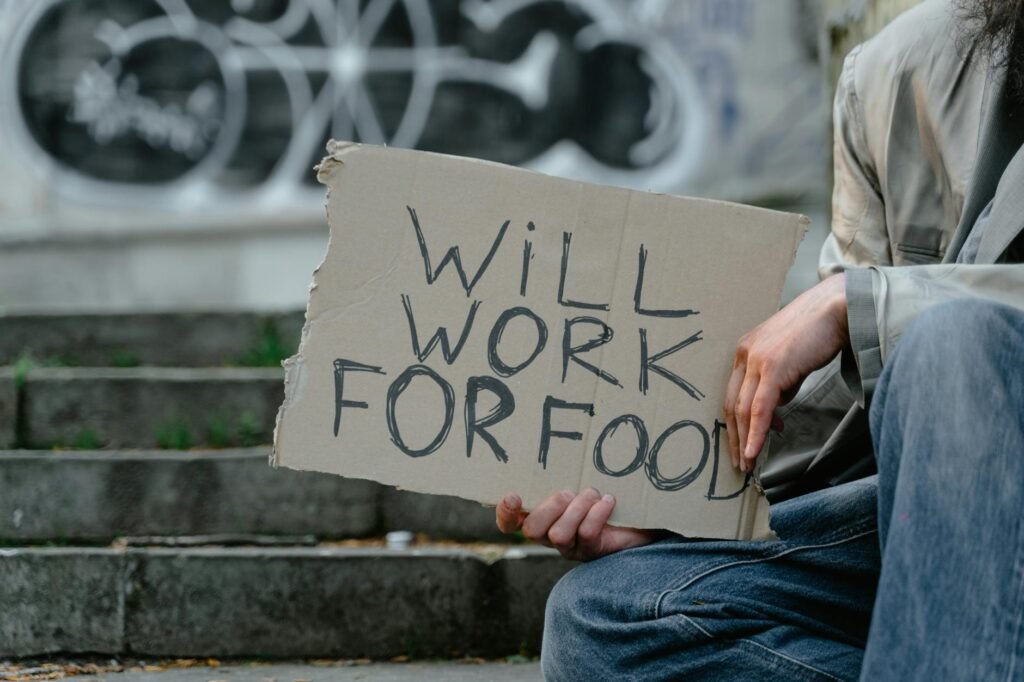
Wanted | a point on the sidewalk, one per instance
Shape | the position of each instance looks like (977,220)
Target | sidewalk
(310,672)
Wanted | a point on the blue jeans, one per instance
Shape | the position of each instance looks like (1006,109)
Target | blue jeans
(938,534)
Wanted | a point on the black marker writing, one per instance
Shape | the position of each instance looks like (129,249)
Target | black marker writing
(648,363)
(546,434)
(452,255)
(395,391)
(527,257)
(477,426)
(571,352)
(566,241)
(688,476)
(340,367)
(440,336)
(716,435)
(641,445)
(497,364)
(638,293)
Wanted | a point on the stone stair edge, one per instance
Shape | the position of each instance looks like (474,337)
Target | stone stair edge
(146,454)
(146,373)
(343,602)
(486,552)
(97,495)
(114,408)
(187,315)
(167,338)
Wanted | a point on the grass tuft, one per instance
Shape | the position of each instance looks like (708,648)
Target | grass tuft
(268,350)
(174,434)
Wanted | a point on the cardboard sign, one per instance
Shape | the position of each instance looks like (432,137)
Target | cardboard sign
(479,330)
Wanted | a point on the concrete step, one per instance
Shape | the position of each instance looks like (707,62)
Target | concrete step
(171,408)
(95,496)
(275,602)
(178,339)
(8,407)
(471,670)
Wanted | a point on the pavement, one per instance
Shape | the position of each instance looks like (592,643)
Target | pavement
(468,671)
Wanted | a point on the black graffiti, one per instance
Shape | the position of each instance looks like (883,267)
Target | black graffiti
(599,94)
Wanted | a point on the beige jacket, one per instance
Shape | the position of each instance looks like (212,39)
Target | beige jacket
(924,143)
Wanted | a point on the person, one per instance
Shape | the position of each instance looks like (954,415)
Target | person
(907,358)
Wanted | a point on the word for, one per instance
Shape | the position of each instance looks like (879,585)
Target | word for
(646,454)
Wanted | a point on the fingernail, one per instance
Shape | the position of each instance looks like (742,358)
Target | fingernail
(513,502)
(750,454)
(735,460)
(594,492)
(609,499)
(567,494)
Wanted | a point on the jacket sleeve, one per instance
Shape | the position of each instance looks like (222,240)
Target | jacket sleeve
(901,294)
(859,237)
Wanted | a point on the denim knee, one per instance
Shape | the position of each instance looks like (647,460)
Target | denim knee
(682,609)
(947,337)
(941,334)
(600,619)
(572,624)
(950,357)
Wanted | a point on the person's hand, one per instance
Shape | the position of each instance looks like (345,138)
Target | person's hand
(775,358)
(575,525)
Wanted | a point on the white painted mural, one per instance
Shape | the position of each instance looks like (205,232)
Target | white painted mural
(154,118)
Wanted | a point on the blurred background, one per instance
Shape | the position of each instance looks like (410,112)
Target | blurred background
(159,154)
(159,224)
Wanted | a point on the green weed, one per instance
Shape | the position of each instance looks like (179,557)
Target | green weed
(22,366)
(174,434)
(268,350)
(123,358)
(218,432)
(87,439)
(250,431)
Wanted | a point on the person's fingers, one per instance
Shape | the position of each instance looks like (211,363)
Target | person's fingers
(539,521)
(593,527)
(762,410)
(732,390)
(743,403)
(562,533)
(509,514)
(616,538)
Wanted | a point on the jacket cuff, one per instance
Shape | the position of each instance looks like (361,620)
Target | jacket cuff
(862,361)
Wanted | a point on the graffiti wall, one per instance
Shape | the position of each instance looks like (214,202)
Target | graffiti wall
(189,113)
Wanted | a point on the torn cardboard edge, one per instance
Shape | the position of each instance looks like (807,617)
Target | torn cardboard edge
(383,205)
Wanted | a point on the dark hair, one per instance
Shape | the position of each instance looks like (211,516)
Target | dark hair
(997,28)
